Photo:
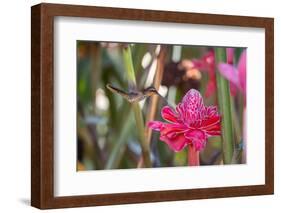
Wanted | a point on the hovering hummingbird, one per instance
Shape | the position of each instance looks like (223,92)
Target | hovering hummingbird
(134,96)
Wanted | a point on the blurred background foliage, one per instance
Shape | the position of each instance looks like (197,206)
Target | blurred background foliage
(106,129)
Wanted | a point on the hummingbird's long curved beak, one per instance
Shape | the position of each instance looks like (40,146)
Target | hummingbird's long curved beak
(162,97)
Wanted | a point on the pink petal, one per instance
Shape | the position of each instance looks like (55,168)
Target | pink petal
(172,134)
(193,98)
(206,62)
(172,129)
(211,88)
(156,125)
(195,133)
(242,71)
(176,143)
(193,105)
(181,112)
(168,114)
(199,64)
(230,55)
(199,145)
(212,126)
(233,89)
(197,137)
(211,111)
(209,58)
(229,72)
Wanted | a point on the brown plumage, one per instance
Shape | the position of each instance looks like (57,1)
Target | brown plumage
(133,96)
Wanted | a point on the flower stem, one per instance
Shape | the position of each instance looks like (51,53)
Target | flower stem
(127,57)
(129,67)
(151,112)
(225,109)
(157,82)
(244,153)
(119,149)
(193,156)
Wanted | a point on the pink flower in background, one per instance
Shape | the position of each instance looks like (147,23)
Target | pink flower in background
(230,60)
(207,63)
(230,55)
(236,75)
(190,124)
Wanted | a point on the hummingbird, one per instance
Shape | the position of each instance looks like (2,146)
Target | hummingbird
(134,96)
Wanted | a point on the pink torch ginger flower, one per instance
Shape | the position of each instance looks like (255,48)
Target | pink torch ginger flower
(230,55)
(235,75)
(190,124)
(207,64)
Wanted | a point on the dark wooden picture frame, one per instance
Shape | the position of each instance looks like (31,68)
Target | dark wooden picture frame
(42,90)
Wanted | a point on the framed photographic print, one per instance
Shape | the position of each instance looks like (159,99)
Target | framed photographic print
(132,106)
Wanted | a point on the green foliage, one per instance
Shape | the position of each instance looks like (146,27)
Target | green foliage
(224,100)
(111,131)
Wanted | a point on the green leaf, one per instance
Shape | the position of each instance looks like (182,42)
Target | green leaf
(128,61)
(223,92)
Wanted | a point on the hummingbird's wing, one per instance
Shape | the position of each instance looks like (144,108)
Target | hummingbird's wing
(118,91)
(130,97)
